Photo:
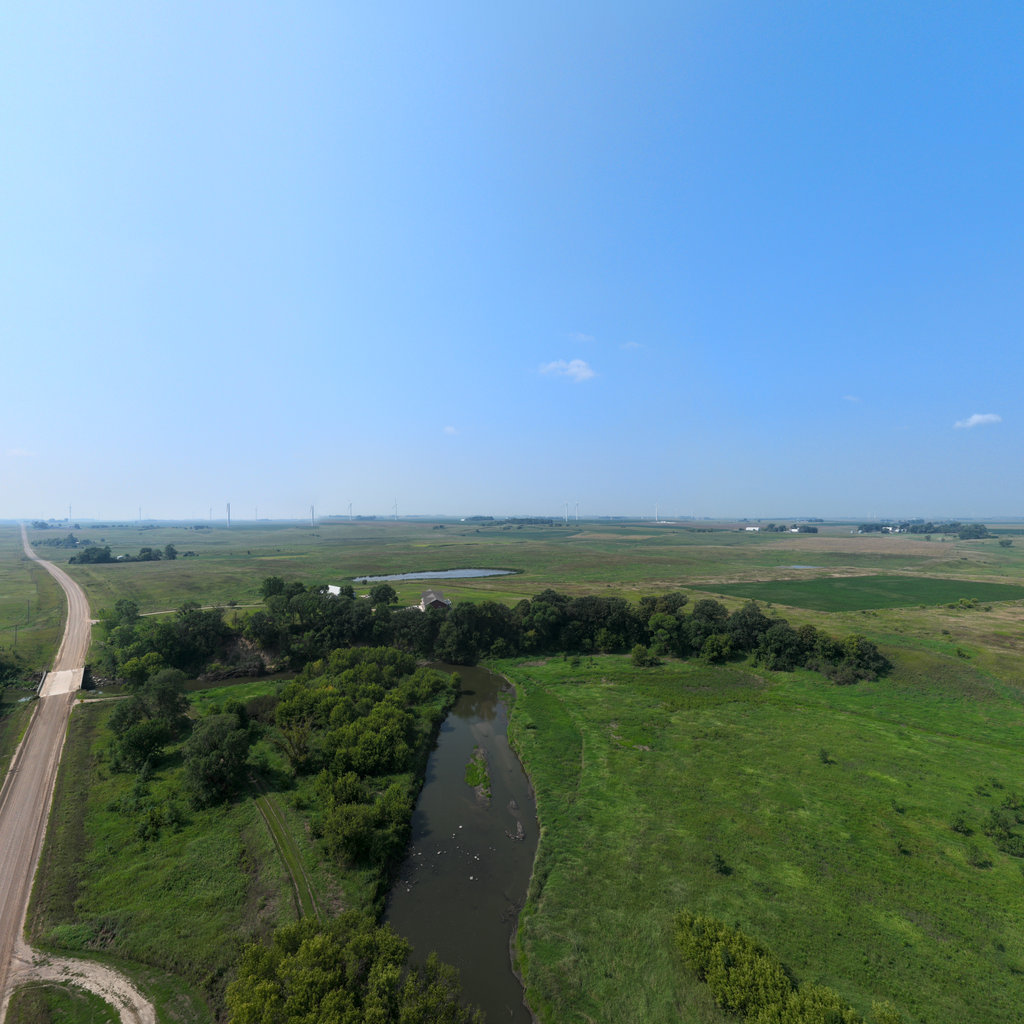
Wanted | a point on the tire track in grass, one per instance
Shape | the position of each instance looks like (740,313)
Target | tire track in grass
(306,904)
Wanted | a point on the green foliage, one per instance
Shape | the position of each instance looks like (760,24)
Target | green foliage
(716,649)
(359,724)
(348,971)
(92,555)
(214,757)
(747,980)
(383,593)
(476,772)
(642,657)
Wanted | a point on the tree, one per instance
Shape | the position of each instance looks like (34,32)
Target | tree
(214,757)
(270,586)
(383,594)
(347,970)
(170,552)
(141,743)
(746,626)
(780,647)
(716,649)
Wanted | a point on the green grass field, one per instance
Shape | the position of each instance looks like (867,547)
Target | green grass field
(182,904)
(42,1003)
(853,593)
(829,806)
(31,607)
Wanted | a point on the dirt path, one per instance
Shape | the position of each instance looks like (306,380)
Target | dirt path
(24,808)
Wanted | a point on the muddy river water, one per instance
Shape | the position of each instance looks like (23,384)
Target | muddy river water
(465,875)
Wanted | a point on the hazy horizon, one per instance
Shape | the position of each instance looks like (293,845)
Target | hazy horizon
(699,256)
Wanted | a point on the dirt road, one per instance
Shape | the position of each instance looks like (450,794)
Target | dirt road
(24,808)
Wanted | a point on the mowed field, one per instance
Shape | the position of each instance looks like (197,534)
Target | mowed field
(831,808)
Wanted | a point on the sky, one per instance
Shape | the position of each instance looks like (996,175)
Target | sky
(714,258)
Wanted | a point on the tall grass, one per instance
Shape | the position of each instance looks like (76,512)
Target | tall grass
(705,789)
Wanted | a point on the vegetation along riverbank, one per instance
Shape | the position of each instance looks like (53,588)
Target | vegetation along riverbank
(830,775)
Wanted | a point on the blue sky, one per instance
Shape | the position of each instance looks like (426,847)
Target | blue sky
(728,259)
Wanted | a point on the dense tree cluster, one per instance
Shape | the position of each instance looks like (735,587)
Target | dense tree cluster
(133,647)
(347,971)
(964,531)
(747,980)
(298,625)
(149,719)
(69,541)
(356,726)
(93,554)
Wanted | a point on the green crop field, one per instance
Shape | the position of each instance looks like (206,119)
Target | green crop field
(852,593)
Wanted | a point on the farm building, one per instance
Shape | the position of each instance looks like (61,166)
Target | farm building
(433,599)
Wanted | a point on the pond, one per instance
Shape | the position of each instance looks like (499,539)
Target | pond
(439,574)
(465,875)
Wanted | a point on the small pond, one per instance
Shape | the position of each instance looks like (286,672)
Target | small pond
(465,875)
(439,574)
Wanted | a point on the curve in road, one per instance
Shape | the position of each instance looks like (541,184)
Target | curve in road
(24,809)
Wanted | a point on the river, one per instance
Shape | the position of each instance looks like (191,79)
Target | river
(464,879)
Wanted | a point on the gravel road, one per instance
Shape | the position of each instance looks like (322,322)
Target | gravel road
(24,808)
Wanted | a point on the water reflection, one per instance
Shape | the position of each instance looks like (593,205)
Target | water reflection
(465,875)
(440,574)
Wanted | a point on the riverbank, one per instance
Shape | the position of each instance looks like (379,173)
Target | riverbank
(464,880)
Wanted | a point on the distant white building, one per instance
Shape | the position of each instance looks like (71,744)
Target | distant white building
(333,590)
(752,529)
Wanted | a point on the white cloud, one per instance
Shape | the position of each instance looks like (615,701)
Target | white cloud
(629,346)
(577,336)
(851,398)
(577,369)
(450,430)
(979,419)
(20,453)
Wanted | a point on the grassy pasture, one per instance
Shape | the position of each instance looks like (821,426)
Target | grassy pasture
(29,600)
(585,557)
(848,870)
(852,593)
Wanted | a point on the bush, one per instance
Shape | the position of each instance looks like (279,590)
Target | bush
(746,979)
(643,658)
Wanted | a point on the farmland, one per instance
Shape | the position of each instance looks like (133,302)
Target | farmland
(854,593)
(817,817)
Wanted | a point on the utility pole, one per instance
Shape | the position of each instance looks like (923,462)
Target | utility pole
(229,515)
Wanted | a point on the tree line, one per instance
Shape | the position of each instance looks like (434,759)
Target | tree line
(963,531)
(96,554)
(299,624)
